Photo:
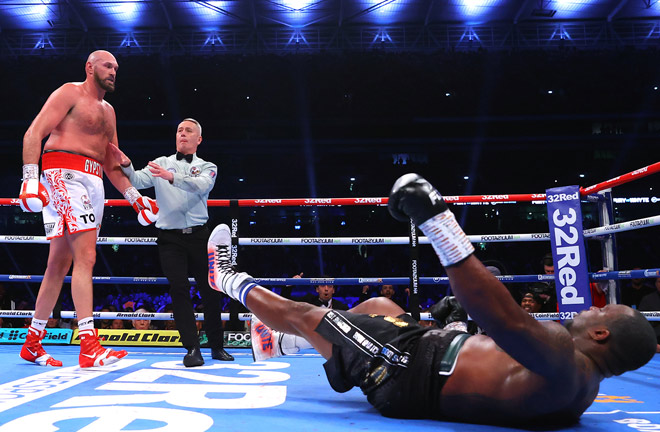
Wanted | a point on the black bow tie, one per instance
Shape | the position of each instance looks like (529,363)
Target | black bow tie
(180,156)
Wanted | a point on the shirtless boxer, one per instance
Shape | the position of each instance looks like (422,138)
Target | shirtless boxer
(80,125)
(524,372)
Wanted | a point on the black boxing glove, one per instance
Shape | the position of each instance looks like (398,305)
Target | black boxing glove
(447,311)
(412,197)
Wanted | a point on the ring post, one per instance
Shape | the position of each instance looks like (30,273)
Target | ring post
(608,245)
(568,250)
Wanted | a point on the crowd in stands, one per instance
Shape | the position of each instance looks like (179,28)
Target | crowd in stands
(642,294)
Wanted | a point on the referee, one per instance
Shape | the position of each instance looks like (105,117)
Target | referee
(182,183)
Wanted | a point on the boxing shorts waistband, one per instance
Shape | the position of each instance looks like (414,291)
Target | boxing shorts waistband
(189,230)
(72,161)
(448,362)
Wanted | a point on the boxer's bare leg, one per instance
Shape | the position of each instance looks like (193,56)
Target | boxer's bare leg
(268,343)
(59,263)
(300,319)
(83,247)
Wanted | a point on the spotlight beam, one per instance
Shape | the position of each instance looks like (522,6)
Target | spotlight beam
(616,10)
(167,14)
(370,9)
(428,13)
(74,9)
(521,9)
(253,9)
(221,11)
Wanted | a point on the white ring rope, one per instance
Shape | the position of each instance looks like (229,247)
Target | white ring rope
(602,231)
(344,241)
(155,316)
(243,316)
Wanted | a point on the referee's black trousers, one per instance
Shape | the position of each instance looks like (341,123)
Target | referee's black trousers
(182,255)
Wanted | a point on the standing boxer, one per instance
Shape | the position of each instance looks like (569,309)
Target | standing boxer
(80,126)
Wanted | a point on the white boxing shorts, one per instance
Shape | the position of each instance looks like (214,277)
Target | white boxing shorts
(75,185)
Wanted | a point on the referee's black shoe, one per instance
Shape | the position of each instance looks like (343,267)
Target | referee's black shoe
(221,354)
(193,358)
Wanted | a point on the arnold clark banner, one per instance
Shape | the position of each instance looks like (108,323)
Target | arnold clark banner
(233,339)
(135,337)
(568,251)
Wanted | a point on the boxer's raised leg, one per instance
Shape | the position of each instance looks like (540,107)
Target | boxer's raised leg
(283,315)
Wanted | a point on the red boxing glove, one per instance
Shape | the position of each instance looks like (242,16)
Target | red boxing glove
(34,196)
(149,212)
(145,207)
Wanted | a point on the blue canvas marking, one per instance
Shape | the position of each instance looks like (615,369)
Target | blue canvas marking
(150,389)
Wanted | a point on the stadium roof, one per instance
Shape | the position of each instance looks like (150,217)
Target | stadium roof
(280,25)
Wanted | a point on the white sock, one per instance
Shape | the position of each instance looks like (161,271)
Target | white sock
(292,344)
(38,324)
(448,239)
(86,324)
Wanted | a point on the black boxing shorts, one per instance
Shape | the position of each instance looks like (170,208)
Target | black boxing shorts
(400,365)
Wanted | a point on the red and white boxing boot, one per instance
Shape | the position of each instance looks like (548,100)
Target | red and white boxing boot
(32,350)
(93,354)
(265,341)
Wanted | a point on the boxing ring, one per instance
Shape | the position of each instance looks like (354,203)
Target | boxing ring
(150,390)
